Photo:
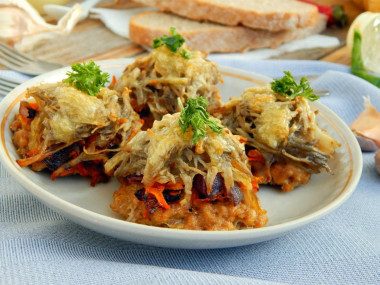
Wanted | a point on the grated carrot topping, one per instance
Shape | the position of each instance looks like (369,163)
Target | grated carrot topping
(33,152)
(24,121)
(255,183)
(255,155)
(156,190)
(127,90)
(33,105)
(174,186)
(242,139)
(133,133)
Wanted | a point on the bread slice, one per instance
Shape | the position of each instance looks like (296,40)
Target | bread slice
(272,15)
(208,37)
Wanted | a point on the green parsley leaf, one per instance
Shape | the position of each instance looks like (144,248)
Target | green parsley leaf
(87,77)
(173,43)
(196,116)
(186,54)
(288,87)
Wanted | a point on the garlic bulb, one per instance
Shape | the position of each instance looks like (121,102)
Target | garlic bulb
(367,127)
(21,25)
(366,144)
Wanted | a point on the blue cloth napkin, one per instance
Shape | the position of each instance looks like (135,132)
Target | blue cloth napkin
(39,246)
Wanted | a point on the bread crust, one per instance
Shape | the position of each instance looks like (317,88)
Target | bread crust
(208,37)
(271,15)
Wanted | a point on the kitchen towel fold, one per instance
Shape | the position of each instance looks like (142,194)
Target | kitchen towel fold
(39,246)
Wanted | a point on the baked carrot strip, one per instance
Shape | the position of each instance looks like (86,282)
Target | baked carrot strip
(156,190)
(255,155)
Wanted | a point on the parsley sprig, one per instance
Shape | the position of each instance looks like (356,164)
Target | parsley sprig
(196,116)
(288,87)
(87,77)
(186,54)
(173,43)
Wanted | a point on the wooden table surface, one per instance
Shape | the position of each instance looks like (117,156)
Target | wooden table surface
(90,39)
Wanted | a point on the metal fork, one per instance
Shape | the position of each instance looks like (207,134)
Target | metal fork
(7,85)
(18,61)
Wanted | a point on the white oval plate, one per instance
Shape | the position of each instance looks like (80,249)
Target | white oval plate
(88,206)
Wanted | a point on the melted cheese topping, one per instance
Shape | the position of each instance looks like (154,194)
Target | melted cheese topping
(76,108)
(272,127)
(70,114)
(163,154)
(282,129)
(195,70)
(157,80)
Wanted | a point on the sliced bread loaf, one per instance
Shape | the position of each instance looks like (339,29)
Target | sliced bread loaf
(272,15)
(208,37)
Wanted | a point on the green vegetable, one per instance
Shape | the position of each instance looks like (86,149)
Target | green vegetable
(339,15)
(196,116)
(173,43)
(186,54)
(357,65)
(288,87)
(87,77)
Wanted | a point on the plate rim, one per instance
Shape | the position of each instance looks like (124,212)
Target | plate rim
(91,220)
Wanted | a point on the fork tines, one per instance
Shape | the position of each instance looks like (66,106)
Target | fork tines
(12,58)
(16,60)
(7,85)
